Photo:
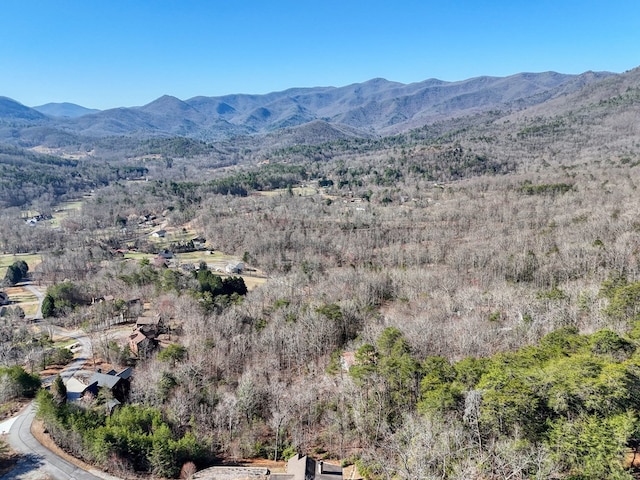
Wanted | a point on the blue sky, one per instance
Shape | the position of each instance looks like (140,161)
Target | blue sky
(110,53)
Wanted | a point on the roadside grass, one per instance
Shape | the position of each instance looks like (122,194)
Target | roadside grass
(64,342)
(29,309)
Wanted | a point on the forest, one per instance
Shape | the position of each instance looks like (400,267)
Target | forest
(460,301)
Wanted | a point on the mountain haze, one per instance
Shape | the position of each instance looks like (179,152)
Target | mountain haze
(377,106)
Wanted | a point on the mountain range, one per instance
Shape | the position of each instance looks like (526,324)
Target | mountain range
(376,107)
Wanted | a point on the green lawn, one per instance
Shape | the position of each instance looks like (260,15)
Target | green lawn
(202,256)
(138,255)
(63,209)
(7,260)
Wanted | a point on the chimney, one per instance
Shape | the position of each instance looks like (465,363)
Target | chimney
(320,467)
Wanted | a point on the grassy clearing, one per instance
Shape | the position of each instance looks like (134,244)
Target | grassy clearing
(297,191)
(63,342)
(172,235)
(7,260)
(203,256)
(139,255)
(305,191)
(23,298)
(63,210)
(20,295)
(29,309)
(189,257)
(253,282)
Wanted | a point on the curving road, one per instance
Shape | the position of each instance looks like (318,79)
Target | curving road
(38,462)
(39,295)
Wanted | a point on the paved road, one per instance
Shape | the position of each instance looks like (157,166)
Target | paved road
(39,295)
(83,351)
(38,462)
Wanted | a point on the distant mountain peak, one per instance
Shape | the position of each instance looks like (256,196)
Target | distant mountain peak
(10,109)
(64,109)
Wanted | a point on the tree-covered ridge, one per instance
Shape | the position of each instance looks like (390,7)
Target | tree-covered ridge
(572,399)
(29,177)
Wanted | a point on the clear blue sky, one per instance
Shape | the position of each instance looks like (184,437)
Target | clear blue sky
(110,53)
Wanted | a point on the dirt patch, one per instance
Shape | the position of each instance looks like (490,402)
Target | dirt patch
(632,459)
(260,463)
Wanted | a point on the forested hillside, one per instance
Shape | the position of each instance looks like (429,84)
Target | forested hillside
(456,301)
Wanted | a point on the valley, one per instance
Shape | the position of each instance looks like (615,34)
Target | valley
(443,290)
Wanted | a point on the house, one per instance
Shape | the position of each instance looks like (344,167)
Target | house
(148,218)
(142,344)
(150,326)
(104,298)
(159,234)
(234,267)
(305,468)
(199,243)
(117,383)
(166,254)
(75,389)
(298,468)
(126,373)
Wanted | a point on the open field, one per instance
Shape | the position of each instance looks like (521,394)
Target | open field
(63,210)
(208,256)
(138,256)
(190,257)
(216,261)
(253,282)
(21,295)
(297,191)
(7,260)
